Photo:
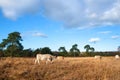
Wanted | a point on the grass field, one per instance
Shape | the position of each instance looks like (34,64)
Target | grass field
(82,68)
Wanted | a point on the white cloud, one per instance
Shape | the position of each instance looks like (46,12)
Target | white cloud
(14,8)
(79,13)
(115,37)
(94,40)
(83,13)
(104,32)
(34,33)
(69,11)
(39,34)
(73,13)
(113,14)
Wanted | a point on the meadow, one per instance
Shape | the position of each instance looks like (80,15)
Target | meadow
(71,68)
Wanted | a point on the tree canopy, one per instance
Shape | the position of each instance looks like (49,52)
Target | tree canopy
(46,50)
(89,49)
(63,51)
(74,50)
(11,46)
(12,43)
(118,48)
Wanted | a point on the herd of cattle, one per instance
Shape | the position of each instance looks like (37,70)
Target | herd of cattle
(50,58)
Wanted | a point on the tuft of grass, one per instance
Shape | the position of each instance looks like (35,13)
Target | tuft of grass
(70,68)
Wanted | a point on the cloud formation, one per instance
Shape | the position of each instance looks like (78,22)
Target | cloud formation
(104,32)
(14,8)
(38,34)
(115,37)
(94,40)
(73,13)
(34,34)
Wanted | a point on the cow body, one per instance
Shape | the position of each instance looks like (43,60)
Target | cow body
(44,57)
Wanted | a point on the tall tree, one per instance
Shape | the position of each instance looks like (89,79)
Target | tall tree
(12,43)
(46,50)
(38,50)
(63,51)
(118,48)
(27,53)
(92,49)
(87,47)
(1,53)
(74,50)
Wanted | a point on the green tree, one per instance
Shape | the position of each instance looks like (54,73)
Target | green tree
(118,48)
(3,44)
(46,50)
(27,53)
(89,49)
(63,51)
(1,53)
(92,49)
(38,50)
(74,50)
(12,44)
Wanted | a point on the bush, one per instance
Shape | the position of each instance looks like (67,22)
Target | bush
(91,54)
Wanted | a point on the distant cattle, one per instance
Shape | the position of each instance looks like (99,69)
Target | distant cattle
(117,57)
(98,57)
(60,57)
(44,57)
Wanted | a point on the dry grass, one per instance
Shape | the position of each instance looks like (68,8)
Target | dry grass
(68,69)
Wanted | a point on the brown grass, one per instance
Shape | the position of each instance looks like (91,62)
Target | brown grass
(81,68)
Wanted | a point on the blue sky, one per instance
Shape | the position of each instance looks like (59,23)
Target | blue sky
(56,23)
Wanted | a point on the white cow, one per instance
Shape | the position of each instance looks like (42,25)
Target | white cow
(60,57)
(45,57)
(117,57)
(98,57)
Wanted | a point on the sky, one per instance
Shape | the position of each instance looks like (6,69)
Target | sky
(62,23)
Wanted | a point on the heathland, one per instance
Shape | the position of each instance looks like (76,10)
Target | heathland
(71,68)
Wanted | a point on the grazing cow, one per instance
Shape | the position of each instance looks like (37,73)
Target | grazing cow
(117,57)
(98,57)
(45,57)
(60,57)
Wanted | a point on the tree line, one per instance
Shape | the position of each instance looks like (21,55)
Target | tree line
(12,47)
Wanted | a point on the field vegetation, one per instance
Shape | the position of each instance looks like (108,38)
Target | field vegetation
(78,68)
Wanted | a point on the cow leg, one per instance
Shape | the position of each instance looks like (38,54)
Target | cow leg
(38,61)
(51,61)
(35,61)
(48,60)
